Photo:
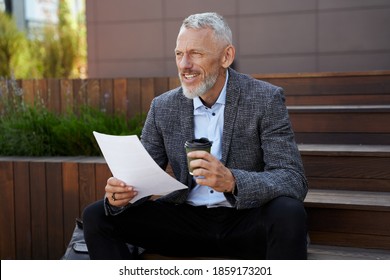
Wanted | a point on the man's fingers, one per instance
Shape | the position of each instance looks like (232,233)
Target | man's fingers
(112,181)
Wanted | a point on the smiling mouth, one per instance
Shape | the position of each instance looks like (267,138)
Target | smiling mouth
(190,76)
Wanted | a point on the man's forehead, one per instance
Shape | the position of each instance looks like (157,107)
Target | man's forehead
(195,38)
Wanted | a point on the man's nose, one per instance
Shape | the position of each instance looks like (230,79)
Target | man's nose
(185,62)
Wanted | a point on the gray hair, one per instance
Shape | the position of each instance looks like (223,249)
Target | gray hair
(213,21)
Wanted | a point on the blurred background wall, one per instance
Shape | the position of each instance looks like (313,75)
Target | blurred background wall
(137,37)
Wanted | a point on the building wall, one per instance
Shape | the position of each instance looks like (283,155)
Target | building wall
(136,38)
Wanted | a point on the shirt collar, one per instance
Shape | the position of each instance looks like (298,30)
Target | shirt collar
(221,98)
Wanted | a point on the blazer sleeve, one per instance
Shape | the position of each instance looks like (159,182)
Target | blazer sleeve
(282,172)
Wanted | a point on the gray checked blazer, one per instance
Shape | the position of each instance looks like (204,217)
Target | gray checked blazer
(258,143)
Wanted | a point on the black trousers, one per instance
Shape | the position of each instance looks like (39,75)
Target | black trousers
(274,231)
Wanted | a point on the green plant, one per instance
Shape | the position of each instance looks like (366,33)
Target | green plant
(68,39)
(60,49)
(55,51)
(35,131)
(14,51)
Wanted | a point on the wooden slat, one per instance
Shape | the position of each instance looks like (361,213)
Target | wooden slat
(368,99)
(7,207)
(161,85)
(350,240)
(376,73)
(70,177)
(93,93)
(350,138)
(28,91)
(53,95)
(23,217)
(120,96)
(323,252)
(349,221)
(134,96)
(357,184)
(107,95)
(102,173)
(66,93)
(341,123)
(79,94)
(147,93)
(55,218)
(347,167)
(174,82)
(341,199)
(39,224)
(41,94)
(345,150)
(87,184)
(339,109)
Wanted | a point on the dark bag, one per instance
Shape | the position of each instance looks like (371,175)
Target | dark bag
(77,249)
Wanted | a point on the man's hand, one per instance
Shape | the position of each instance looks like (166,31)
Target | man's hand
(209,171)
(118,193)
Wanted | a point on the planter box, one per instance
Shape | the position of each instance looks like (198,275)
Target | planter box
(40,200)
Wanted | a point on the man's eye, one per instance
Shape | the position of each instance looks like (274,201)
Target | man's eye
(196,54)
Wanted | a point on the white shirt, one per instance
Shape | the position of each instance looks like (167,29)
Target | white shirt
(208,122)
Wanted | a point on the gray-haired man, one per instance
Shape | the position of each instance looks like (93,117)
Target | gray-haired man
(244,198)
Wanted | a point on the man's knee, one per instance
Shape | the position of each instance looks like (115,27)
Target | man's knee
(286,211)
(93,214)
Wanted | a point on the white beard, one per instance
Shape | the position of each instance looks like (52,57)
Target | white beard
(201,89)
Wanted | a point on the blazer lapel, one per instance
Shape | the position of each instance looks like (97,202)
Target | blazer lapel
(187,117)
(187,128)
(231,105)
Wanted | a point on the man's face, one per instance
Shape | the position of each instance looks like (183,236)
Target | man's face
(198,60)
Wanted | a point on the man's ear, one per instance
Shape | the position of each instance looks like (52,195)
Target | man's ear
(228,56)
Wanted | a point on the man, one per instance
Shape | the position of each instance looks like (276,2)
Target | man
(245,197)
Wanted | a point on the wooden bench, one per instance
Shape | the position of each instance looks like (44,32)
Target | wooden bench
(341,122)
(333,88)
(349,198)
(347,167)
(40,198)
(346,124)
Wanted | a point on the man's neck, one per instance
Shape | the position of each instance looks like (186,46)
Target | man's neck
(209,98)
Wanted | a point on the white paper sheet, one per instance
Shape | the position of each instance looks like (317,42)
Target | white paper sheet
(130,162)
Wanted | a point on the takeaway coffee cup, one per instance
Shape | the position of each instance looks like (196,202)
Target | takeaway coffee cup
(202,144)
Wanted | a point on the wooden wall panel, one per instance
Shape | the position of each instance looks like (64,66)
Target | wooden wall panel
(39,226)
(107,96)
(93,93)
(66,95)
(55,209)
(102,174)
(22,214)
(7,215)
(147,93)
(134,96)
(87,184)
(70,184)
(120,96)
(54,95)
